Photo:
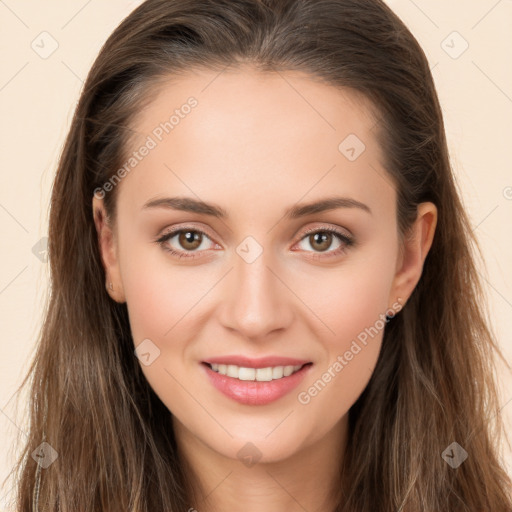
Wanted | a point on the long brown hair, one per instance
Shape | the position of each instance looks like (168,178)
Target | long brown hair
(434,382)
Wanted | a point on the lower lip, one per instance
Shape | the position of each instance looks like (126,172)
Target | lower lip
(252,392)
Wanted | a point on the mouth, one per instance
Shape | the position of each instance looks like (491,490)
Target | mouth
(266,374)
(255,386)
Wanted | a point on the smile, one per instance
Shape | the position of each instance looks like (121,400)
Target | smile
(255,386)
(258,374)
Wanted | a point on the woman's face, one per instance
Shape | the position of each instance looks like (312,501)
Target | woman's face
(250,156)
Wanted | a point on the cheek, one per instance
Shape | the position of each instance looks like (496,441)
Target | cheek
(353,310)
(158,293)
(350,299)
(150,309)
(162,302)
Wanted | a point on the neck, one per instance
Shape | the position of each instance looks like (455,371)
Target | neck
(307,480)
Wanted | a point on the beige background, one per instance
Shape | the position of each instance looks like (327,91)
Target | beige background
(38,95)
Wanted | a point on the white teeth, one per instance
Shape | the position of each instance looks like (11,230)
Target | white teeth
(277,372)
(259,374)
(232,371)
(264,374)
(246,373)
(288,370)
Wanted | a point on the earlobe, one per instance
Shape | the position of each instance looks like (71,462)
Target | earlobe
(108,251)
(414,250)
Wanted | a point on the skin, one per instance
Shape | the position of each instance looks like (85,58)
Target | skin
(255,145)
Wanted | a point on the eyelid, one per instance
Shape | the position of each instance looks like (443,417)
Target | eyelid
(326,227)
(176,229)
(187,226)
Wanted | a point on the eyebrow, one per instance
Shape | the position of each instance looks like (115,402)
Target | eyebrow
(189,204)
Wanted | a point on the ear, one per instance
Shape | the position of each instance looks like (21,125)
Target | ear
(108,249)
(413,252)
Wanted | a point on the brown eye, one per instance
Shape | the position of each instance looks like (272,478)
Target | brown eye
(185,242)
(321,240)
(325,240)
(190,240)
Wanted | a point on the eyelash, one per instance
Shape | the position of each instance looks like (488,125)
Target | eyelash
(347,241)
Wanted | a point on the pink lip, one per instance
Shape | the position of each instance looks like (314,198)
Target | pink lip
(261,362)
(252,392)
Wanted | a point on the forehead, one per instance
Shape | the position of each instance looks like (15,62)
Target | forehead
(275,135)
(258,103)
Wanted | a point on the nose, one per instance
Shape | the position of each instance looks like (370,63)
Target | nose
(256,299)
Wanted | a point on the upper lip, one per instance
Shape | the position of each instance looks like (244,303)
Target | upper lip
(260,362)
